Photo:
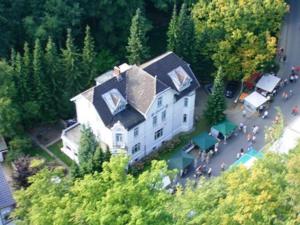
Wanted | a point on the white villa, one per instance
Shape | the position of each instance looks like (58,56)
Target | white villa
(134,109)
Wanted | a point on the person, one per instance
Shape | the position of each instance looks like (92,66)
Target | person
(253,139)
(284,58)
(291,93)
(260,109)
(296,77)
(285,81)
(293,70)
(207,159)
(249,137)
(223,165)
(295,110)
(292,78)
(255,129)
(244,129)
(244,113)
(265,115)
(274,92)
(209,172)
(242,151)
(241,126)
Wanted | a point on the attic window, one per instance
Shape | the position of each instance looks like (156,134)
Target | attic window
(180,78)
(114,101)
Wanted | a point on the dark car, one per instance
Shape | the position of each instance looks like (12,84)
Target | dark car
(231,88)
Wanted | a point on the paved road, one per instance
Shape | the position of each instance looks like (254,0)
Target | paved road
(290,41)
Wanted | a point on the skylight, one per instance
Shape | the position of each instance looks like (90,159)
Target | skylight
(180,78)
(115,101)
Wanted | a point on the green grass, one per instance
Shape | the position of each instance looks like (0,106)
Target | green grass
(35,151)
(55,149)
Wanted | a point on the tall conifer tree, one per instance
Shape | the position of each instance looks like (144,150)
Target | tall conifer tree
(185,37)
(137,50)
(70,62)
(172,31)
(27,72)
(216,103)
(88,58)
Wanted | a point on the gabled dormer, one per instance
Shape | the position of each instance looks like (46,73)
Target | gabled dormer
(180,78)
(114,101)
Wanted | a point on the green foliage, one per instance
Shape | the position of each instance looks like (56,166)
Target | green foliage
(172,31)
(240,36)
(185,38)
(111,197)
(90,155)
(70,63)
(268,193)
(216,103)
(18,146)
(88,58)
(137,50)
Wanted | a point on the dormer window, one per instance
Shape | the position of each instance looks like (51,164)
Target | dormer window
(180,78)
(115,101)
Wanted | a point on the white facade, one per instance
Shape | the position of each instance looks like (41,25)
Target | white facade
(172,117)
(165,115)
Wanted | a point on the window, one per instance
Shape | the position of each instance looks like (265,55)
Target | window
(136,132)
(136,148)
(186,102)
(163,115)
(159,102)
(184,118)
(158,134)
(154,120)
(119,137)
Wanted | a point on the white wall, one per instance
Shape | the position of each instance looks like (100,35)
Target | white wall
(88,115)
(172,125)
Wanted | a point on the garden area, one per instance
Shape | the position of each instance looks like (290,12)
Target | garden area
(55,149)
(169,148)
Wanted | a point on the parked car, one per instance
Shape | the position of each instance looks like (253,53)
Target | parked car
(71,122)
(231,88)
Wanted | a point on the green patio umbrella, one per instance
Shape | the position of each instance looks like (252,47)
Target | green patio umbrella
(226,128)
(180,160)
(204,141)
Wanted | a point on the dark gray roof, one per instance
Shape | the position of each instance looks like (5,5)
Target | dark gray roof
(129,117)
(6,198)
(138,86)
(162,65)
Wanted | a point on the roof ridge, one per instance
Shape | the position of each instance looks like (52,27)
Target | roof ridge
(151,61)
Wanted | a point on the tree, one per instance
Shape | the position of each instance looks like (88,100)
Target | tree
(27,72)
(38,74)
(24,167)
(137,50)
(109,197)
(53,79)
(90,154)
(216,103)
(88,58)
(172,31)
(9,117)
(70,62)
(245,33)
(185,37)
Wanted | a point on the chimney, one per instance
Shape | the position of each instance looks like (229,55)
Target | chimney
(117,73)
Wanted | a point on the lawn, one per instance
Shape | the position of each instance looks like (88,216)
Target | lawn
(35,151)
(55,149)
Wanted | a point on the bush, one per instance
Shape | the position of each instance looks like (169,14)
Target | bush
(18,146)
